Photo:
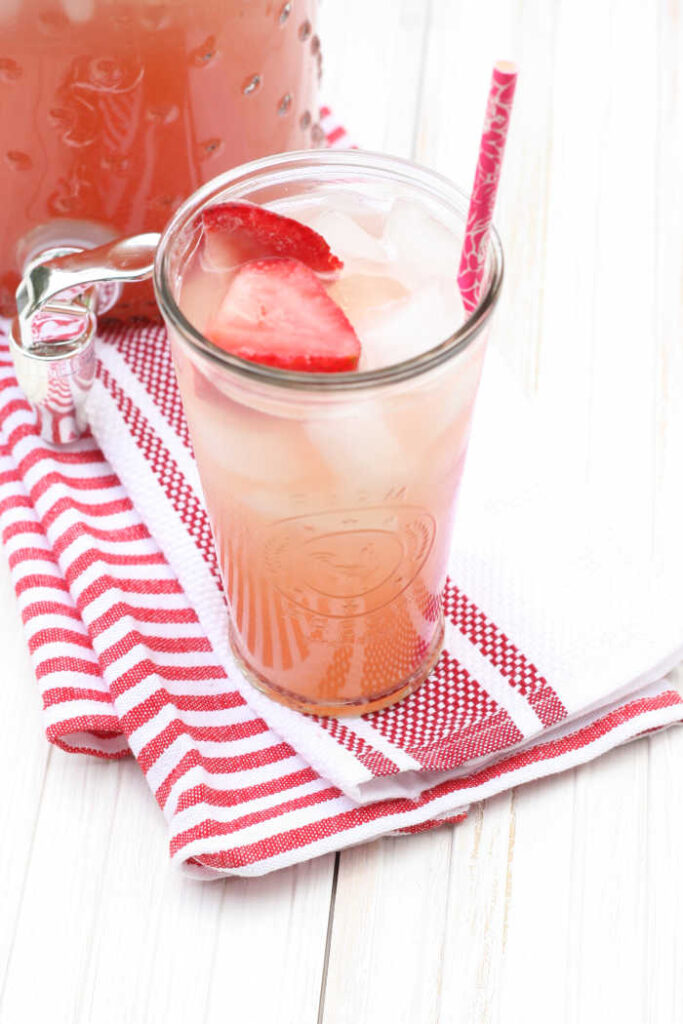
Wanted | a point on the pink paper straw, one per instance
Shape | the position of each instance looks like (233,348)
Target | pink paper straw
(487,174)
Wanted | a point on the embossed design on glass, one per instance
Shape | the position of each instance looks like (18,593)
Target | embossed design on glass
(347,562)
(284,104)
(251,85)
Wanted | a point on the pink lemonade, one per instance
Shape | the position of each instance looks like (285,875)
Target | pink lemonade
(113,111)
(332,509)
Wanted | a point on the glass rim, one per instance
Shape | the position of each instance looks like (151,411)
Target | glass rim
(407,172)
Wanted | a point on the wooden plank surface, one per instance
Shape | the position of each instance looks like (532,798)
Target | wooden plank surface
(95,926)
(560,901)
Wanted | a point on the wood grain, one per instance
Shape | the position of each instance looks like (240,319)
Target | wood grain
(387,937)
(90,903)
(562,900)
(24,759)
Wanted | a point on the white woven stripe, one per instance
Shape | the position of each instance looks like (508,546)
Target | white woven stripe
(128,382)
(226,748)
(161,630)
(24,539)
(230,782)
(68,677)
(296,819)
(29,566)
(94,572)
(78,707)
(22,514)
(70,517)
(103,602)
(134,696)
(85,543)
(166,763)
(496,685)
(152,728)
(191,816)
(178,659)
(45,502)
(48,620)
(90,471)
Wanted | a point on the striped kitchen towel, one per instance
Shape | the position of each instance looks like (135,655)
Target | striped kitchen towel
(112,562)
(558,645)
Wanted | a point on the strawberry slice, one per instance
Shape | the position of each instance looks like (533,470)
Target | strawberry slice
(238,232)
(277,312)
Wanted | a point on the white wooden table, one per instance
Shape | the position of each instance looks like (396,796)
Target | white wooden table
(558,902)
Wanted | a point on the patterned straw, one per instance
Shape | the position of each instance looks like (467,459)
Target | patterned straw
(486,177)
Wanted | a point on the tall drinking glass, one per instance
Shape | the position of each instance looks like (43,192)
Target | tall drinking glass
(331,496)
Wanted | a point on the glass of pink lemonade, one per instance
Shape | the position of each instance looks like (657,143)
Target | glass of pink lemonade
(328,372)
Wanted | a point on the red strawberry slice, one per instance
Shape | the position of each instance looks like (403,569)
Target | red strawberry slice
(277,312)
(238,232)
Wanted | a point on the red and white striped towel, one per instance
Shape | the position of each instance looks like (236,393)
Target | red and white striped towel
(553,654)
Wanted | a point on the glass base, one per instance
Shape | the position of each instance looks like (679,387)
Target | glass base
(339,709)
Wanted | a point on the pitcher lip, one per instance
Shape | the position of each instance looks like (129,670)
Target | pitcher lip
(405,171)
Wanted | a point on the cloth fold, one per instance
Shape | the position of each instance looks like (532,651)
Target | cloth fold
(120,597)
(560,631)
(121,601)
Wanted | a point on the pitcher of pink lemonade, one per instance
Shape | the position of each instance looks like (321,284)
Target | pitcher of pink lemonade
(113,112)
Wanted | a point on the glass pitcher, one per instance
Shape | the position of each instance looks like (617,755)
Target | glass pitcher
(113,112)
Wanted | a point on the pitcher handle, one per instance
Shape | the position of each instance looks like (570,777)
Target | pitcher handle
(52,337)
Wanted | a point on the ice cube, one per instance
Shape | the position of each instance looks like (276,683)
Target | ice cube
(367,209)
(407,328)
(362,296)
(421,246)
(347,239)
(359,446)
(231,438)
(203,291)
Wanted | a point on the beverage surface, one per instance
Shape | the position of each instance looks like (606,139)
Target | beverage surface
(112,112)
(391,269)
